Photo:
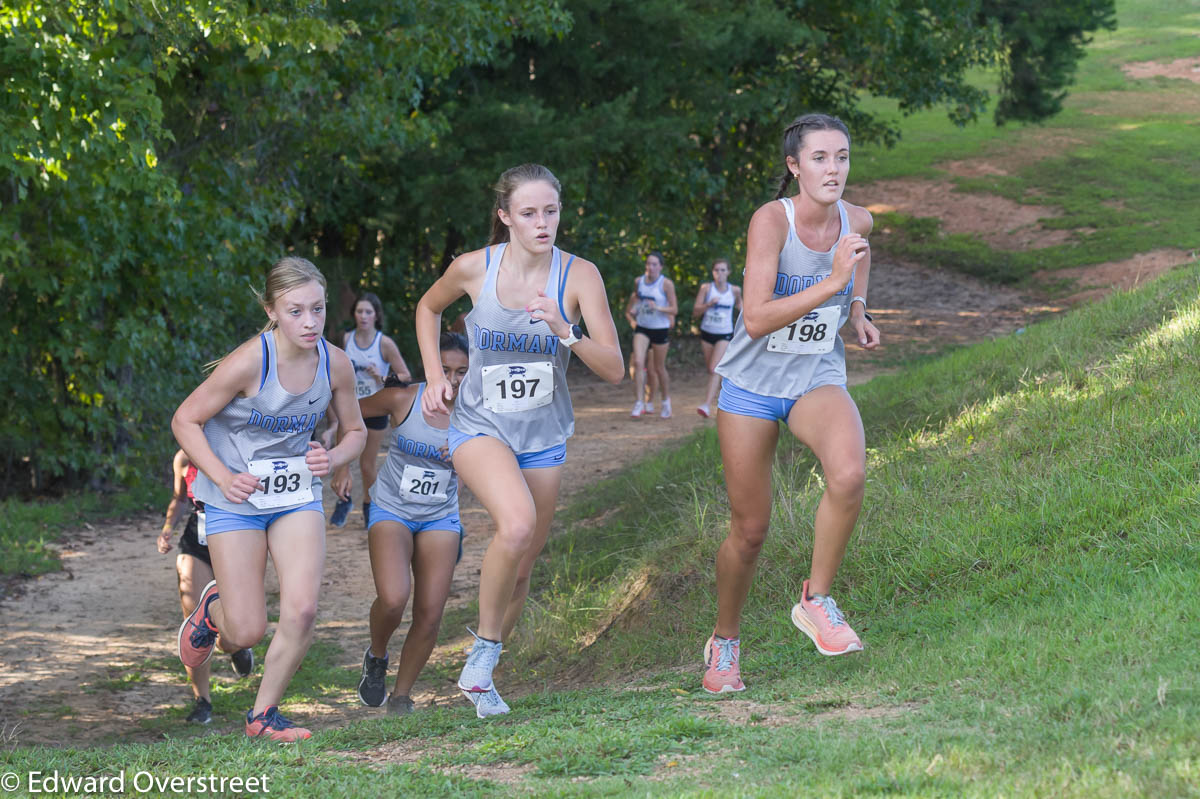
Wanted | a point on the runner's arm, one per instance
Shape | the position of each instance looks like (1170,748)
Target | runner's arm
(700,305)
(600,349)
(464,276)
(391,354)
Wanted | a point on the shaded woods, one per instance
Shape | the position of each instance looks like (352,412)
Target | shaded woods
(156,162)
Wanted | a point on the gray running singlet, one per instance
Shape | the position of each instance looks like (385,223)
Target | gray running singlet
(718,319)
(364,384)
(652,320)
(516,384)
(763,365)
(417,481)
(273,424)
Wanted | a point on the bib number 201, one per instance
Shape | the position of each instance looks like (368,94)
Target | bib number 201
(812,335)
(425,485)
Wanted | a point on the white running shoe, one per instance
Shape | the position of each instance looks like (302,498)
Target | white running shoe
(476,675)
(639,408)
(649,406)
(487,703)
(704,410)
(666,411)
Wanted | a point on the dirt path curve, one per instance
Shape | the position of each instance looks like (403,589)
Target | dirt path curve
(85,653)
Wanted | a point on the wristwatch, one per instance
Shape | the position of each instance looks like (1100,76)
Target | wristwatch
(576,334)
(863,300)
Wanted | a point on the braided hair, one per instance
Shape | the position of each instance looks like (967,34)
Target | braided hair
(793,142)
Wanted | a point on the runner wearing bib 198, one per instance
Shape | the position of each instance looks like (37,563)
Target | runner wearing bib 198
(247,428)
(807,266)
(651,313)
(414,525)
(717,302)
(509,426)
(373,355)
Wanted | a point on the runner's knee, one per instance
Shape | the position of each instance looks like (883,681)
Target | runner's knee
(846,481)
(243,634)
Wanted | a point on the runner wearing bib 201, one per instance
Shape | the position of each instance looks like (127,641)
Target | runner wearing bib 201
(807,270)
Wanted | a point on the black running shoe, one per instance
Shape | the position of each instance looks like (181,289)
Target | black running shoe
(371,690)
(243,662)
(202,712)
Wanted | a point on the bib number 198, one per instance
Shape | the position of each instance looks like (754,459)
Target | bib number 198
(812,335)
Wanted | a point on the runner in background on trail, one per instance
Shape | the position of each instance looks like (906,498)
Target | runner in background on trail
(651,313)
(194,569)
(807,269)
(716,303)
(510,423)
(415,538)
(248,429)
(372,354)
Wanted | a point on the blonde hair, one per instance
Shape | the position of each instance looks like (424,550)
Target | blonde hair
(286,274)
(510,181)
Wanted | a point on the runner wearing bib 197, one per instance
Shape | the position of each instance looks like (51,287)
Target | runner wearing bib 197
(247,428)
(414,525)
(373,355)
(717,302)
(513,415)
(807,267)
(651,313)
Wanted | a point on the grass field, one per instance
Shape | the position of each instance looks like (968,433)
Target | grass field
(1025,574)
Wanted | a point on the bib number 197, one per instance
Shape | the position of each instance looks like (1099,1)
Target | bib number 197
(512,387)
(814,334)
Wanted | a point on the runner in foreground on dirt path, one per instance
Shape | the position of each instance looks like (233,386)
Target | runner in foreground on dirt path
(414,527)
(195,571)
(715,304)
(372,354)
(509,427)
(247,428)
(807,266)
(651,312)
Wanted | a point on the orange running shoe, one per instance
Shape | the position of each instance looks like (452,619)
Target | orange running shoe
(818,617)
(197,634)
(274,725)
(724,673)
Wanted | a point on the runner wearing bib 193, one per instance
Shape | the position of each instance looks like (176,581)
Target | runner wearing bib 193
(807,267)
(718,301)
(509,426)
(651,313)
(373,355)
(414,525)
(247,428)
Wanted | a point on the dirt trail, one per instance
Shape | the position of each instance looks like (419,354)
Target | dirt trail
(69,682)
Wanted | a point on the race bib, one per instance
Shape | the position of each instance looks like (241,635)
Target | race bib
(201,529)
(812,335)
(718,317)
(427,486)
(512,387)
(364,386)
(283,482)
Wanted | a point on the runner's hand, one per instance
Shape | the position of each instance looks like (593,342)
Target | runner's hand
(164,542)
(867,333)
(436,394)
(545,309)
(317,459)
(342,483)
(240,487)
(850,250)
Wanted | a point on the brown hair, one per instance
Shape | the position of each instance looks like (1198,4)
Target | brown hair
(372,298)
(510,181)
(793,142)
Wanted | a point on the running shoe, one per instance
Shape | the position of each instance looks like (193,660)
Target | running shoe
(243,662)
(639,408)
(723,673)
(666,411)
(476,675)
(197,634)
(371,689)
(341,512)
(201,711)
(399,705)
(274,725)
(818,617)
(487,703)
(704,410)
(649,406)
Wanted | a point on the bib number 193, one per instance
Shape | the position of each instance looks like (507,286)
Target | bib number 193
(281,482)
(814,334)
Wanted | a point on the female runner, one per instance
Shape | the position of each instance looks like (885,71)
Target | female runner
(651,313)
(509,427)
(372,354)
(715,304)
(247,428)
(807,267)
(414,526)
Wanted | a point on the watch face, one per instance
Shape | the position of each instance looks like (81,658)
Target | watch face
(576,331)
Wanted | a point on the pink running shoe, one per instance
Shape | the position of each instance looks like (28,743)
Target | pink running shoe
(724,674)
(818,617)
(703,410)
(197,635)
